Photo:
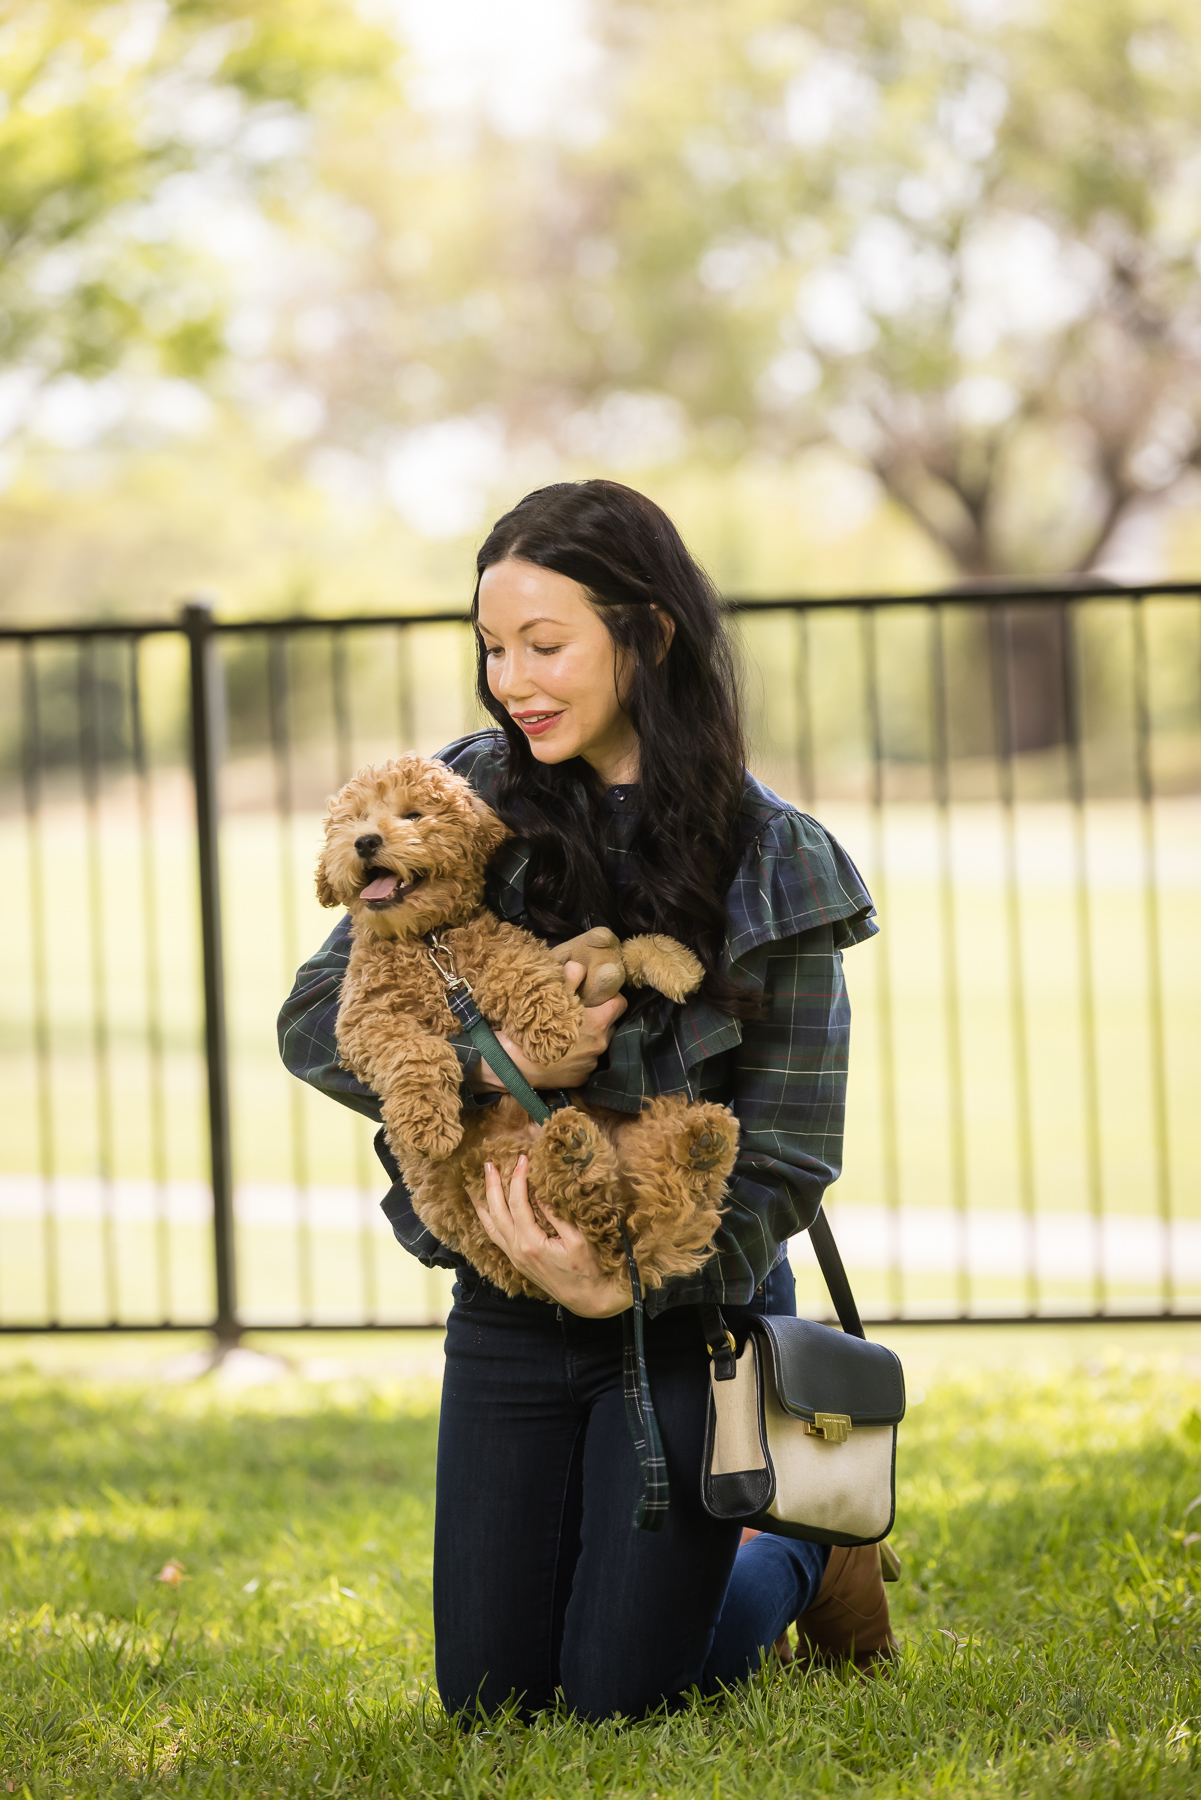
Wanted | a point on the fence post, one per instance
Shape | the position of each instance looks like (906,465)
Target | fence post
(198,623)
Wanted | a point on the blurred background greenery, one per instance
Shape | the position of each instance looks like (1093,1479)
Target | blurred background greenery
(295,295)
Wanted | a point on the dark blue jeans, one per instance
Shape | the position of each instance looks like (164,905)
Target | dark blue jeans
(541,1581)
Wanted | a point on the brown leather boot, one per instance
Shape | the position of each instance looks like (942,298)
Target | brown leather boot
(849,1618)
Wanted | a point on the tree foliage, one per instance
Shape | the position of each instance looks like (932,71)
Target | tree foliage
(959,236)
(110,113)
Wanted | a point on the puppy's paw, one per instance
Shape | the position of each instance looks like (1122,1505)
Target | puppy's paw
(546,1047)
(437,1140)
(663,963)
(709,1142)
(424,1127)
(574,1145)
(548,1027)
(572,1158)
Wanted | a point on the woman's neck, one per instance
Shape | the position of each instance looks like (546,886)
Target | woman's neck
(617,766)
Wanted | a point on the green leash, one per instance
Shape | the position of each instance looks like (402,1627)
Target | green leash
(651,1510)
(461,1001)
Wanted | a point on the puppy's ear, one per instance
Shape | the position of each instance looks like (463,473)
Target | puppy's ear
(325,893)
(490,833)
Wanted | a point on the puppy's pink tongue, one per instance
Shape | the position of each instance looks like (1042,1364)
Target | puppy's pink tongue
(380,888)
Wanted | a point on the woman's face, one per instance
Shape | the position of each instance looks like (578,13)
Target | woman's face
(555,669)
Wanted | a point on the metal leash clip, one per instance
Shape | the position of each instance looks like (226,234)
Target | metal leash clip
(452,980)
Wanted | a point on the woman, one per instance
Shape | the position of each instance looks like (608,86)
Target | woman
(619,764)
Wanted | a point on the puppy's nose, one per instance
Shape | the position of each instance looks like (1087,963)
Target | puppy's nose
(368,844)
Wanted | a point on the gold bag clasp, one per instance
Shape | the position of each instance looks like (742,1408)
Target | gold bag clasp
(834,1427)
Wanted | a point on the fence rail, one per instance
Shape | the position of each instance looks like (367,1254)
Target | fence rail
(1019,773)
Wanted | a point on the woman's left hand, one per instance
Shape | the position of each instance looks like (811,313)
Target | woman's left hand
(565,1267)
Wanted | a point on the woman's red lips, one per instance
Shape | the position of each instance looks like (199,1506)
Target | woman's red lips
(534,724)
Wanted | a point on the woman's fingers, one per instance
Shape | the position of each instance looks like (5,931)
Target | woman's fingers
(494,1214)
(483,1208)
(517,1198)
(528,1232)
(602,1020)
(564,1266)
(511,1220)
(596,1031)
(596,954)
(494,1189)
(570,1234)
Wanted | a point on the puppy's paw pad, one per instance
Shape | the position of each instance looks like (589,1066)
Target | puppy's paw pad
(706,1149)
(576,1146)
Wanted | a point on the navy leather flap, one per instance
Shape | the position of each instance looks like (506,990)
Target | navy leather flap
(821,1370)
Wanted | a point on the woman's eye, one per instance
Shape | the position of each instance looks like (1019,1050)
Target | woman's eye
(493,652)
(547,649)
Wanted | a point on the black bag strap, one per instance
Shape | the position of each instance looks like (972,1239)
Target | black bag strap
(720,1342)
(835,1276)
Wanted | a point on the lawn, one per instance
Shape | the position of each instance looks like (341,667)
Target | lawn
(1048,1609)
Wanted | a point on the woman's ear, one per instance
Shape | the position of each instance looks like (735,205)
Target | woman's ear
(325,893)
(667,629)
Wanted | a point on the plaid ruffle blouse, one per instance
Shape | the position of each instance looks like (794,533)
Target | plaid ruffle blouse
(796,903)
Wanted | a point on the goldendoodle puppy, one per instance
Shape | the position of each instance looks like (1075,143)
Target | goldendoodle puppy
(406,848)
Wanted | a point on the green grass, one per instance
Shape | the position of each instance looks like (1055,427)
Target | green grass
(1049,1607)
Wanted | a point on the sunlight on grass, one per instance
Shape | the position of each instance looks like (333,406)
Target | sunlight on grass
(1048,1607)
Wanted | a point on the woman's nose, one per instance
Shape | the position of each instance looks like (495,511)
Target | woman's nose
(511,683)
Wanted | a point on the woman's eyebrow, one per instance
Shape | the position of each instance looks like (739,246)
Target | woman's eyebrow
(542,619)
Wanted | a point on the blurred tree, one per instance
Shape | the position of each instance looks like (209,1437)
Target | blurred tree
(111,115)
(959,236)
(964,235)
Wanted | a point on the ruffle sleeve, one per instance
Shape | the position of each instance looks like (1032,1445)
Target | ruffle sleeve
(793,877)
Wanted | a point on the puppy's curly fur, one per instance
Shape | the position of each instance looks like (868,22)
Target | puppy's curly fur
(406,847)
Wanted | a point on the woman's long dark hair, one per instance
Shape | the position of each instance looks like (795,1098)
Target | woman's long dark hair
(626,553)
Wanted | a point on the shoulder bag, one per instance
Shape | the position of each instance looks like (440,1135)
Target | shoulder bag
(802,1431)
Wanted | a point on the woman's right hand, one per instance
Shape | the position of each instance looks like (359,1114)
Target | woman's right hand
(571,1071)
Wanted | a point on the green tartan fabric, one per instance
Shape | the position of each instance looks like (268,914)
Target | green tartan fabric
(797,901)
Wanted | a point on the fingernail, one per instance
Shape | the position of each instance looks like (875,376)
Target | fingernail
(488,1169)
(521,1160)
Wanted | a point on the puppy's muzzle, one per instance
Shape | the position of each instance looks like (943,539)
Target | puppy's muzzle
(385,887)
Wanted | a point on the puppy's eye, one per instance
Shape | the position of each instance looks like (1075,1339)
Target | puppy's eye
(413,815)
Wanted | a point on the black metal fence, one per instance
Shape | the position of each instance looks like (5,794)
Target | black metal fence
(1018,775)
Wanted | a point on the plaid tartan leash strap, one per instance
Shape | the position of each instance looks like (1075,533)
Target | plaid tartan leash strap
(651,1510)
